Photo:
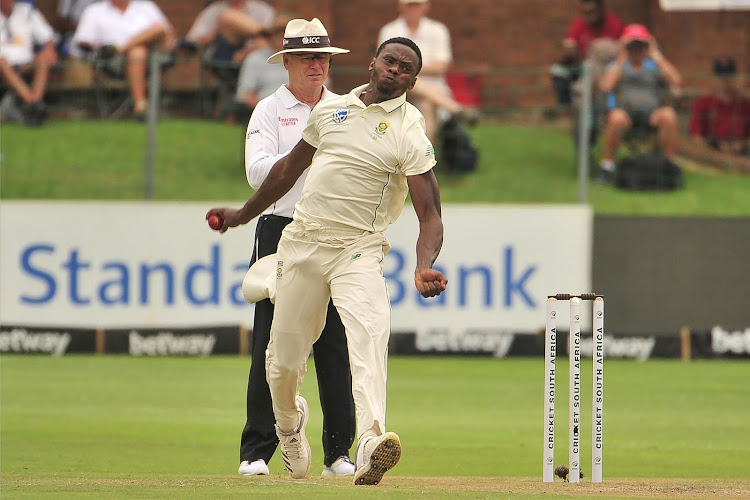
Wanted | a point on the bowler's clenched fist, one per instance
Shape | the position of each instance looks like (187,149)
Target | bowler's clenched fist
(430,282)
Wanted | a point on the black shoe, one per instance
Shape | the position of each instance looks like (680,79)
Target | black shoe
(106,52)
(34,114)
(605,177)
(187,45)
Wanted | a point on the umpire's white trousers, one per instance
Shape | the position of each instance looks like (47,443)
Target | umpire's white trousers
(314,266)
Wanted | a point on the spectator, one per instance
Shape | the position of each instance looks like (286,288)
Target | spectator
(275,127)
(594,23)
(431,92)
(123,32)
(635,83)
(68,15)
(721,120)
(258,79)
(229,25)
(22,28)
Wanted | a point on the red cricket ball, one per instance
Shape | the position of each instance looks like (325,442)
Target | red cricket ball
(215,221)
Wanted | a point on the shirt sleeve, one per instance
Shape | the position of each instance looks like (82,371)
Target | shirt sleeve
(261,143)
(252,68)
(575,30)
(157,15)
(42,32)
(205,24)
(443,44)
(418,154)
(86,31)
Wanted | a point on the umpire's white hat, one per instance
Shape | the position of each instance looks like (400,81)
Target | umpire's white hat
(305,36)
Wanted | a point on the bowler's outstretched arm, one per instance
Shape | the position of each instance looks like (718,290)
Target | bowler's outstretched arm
(280,180)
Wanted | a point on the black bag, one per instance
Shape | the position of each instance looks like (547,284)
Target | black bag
(458,154)
(648,171)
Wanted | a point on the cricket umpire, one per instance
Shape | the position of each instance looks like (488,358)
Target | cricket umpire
(368,151)
(275,126)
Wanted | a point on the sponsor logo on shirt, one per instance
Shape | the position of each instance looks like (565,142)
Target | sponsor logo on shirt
(381,129)
(340,115)
(279,269)
(430,151)
(252,132)
(288,122)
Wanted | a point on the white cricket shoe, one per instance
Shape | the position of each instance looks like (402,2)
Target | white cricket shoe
(256,468)
(295,449)
(342,466)
(375,457)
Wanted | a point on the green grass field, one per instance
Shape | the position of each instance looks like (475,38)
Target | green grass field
(203,160)
(128,427)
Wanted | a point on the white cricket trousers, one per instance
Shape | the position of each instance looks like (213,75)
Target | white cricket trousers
(314,266)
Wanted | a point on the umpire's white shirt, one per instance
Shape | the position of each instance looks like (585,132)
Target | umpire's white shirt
(275,127)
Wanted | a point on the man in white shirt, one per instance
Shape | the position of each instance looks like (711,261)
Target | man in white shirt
(368,151)
(431,93)
(124,31)
(275,127)
(22,27)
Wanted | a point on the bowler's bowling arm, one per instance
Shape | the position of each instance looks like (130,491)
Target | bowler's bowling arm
(279,181)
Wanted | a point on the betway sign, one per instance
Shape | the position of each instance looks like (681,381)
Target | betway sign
(122,265)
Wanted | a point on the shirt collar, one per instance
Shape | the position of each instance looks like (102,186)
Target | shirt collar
(353,99)
(289,101)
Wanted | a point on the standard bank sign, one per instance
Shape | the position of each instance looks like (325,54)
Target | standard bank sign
(138,264)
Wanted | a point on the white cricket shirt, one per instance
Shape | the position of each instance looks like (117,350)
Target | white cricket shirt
(275,127)
(104,24)
(357,179)
(19,32)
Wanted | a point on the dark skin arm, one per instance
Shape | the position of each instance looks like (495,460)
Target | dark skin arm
(280,180)
(425,197)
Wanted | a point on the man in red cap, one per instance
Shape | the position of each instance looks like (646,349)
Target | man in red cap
(634,84)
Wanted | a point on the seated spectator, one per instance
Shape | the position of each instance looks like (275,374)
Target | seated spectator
(721,120)
(431,92)
(635,83)
(68,15)
(231,25)
(594,23)
(123,32)
(258,79)
(22,28)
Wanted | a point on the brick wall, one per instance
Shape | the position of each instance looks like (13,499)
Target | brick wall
(512,42)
